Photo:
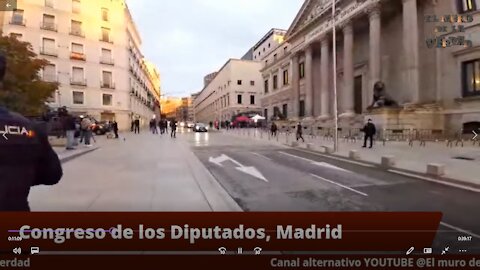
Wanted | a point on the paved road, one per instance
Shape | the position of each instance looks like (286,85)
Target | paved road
(297,180)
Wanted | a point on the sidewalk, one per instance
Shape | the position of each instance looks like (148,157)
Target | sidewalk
(465,170)
(135,173)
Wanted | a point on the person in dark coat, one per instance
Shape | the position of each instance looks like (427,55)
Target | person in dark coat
(137,126)
(26,157)
(173,125)
(70,128)
(370,130)
(273,129)
(300,132)
(115,128)
(132,125)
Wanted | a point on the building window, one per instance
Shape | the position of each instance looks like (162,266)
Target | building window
(78,76)
(17,17)
(301,68)
(266,86)
(252,83)
(274,57)
(107,100)
(49,3)
(76,28)
(239,82)
(275,82)
(48,47)
(285,110)
(285,49)
(466,6)
(76,6)
(252,99)
(285,77)
(471,78)
(301,108)
(78,98)
(265,114)
(105,14)
(105,34)
(106,57)
(268,45)
(48,23)
(239,99)
(49,73)
(107,79)
(77,48)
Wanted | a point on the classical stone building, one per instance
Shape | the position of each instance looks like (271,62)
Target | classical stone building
(378,40)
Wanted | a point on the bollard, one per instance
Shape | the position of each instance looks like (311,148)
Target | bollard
(310,146)
(354,154)
(388,161)
(328,149)
(435,169)
(294,144)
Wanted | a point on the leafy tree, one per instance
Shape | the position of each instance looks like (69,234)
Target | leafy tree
(23,90)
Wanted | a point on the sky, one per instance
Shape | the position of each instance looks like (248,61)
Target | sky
(187,39)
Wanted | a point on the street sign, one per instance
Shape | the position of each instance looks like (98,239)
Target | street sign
(245,169)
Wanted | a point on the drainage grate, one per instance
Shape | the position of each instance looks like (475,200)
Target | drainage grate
(464,158)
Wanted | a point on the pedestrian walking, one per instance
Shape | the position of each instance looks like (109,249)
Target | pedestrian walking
(153,126)
(370,130)
(160,126)
(137,126)
(173,125)
(115,128)
(70,128)
(273,129)
(86,125)
(300,132)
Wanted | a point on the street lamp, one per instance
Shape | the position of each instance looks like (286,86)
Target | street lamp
(335,102)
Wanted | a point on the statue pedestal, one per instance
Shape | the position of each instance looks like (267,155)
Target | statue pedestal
(408,117)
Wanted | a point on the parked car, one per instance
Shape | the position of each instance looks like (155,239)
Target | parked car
(190,124)
(200,127)
(101,127)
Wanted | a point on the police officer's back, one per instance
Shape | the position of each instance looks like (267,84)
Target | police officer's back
(26,158)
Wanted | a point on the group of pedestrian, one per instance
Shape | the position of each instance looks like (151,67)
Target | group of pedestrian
(78,129)
(135,126)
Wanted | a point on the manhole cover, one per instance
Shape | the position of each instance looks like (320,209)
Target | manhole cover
(464,158)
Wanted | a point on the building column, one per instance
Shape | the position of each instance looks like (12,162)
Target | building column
(325,79)
(295,86)
(347,93)
(410,46)
(374,60)
(309,81)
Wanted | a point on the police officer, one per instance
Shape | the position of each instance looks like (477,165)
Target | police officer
(26,157)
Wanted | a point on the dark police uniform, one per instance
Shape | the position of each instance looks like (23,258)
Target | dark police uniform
(26,159)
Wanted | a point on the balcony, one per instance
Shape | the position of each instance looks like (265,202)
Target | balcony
(18,21)
(78,82)
(50,78)
(77,32)
(107,85)
(78,56)
(48,26)
(106,39)
(49,51)
(107,61)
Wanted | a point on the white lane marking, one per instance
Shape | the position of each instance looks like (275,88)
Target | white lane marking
(459,230)
(436,181)
(337,158)
(338,184)
(323,164)
(260,155)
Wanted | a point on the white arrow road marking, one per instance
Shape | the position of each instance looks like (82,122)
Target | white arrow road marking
(474,137)
(323,164)
(262,156)
(253,172)
(248,170)
(338,184)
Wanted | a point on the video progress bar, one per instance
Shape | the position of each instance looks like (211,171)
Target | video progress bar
(216,253)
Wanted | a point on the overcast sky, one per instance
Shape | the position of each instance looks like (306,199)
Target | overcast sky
(188,39)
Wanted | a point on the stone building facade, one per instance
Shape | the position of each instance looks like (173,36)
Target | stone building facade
(435,88)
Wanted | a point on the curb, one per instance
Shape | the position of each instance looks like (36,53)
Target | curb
(76,155)
(399,171)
